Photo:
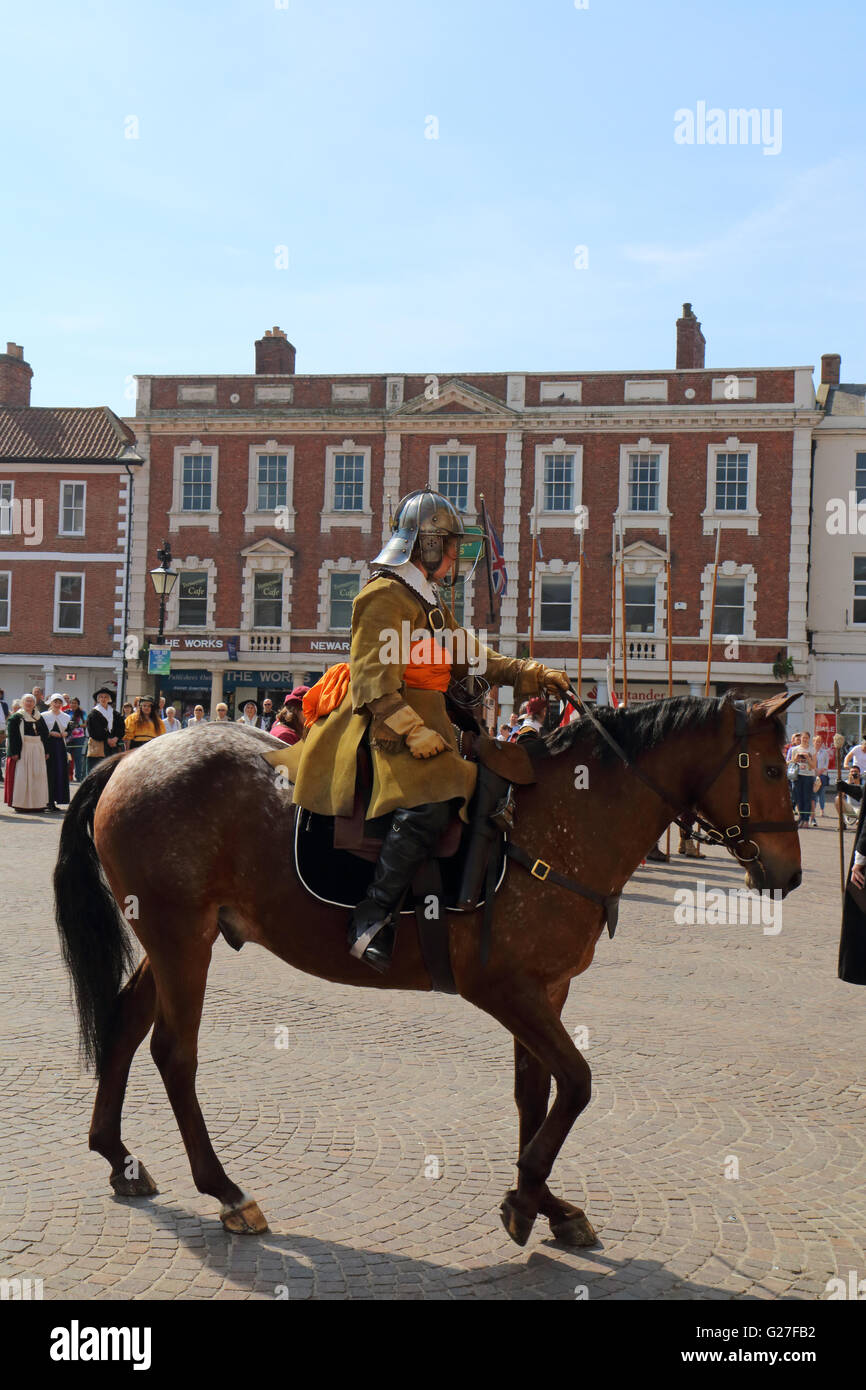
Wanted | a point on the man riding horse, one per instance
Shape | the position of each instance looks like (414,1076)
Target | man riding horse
(397,707)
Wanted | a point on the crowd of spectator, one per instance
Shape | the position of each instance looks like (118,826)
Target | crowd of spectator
(47,745)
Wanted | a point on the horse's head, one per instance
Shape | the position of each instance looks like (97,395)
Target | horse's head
(760,833)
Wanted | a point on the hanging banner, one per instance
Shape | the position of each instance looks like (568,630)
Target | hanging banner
(825,724)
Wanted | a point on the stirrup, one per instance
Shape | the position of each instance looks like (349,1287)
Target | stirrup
(359,946)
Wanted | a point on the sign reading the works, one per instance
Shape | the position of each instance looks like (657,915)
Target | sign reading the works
(198,644)
(234,677)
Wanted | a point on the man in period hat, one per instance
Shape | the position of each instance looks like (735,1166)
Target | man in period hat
(105,728)
(406,647)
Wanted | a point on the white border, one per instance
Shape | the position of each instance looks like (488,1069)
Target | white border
(67,574)
(330,517)
(176,516)
(72,482)
(252,516)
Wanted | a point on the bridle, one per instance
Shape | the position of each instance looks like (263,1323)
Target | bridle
(736,837)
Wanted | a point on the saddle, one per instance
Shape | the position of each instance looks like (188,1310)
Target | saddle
(335,856)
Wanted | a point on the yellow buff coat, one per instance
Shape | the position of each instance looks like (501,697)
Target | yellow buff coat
(326,776)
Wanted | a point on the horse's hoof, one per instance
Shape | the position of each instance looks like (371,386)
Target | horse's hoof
(575,1230)
(142,1185)
(246,1220)
(517,1223)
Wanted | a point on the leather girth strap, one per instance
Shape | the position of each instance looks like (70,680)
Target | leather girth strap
(433,928)
(544,873)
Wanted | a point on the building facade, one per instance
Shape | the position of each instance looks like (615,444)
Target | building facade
(837,581)
(274,490)
(64,511)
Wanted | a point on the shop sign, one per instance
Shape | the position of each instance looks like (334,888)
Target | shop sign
(273,678)
(325,645)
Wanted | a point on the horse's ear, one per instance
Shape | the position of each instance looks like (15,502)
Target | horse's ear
(774,707)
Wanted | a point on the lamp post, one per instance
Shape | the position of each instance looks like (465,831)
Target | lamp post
(163,579)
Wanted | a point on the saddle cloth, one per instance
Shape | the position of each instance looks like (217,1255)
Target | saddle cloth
(342,877)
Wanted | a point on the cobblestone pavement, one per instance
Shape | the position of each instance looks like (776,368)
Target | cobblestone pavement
(708,1044)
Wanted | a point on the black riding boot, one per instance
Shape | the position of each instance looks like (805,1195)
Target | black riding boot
(411,840)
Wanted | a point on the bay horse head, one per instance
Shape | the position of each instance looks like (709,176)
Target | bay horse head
(746,804)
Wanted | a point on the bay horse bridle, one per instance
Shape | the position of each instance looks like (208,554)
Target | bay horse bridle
(735,837)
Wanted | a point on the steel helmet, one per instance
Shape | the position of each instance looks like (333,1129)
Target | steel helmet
(425,516)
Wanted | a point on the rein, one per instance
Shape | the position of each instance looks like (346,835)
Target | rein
(734,837)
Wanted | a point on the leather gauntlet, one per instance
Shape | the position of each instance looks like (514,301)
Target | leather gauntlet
(535,679)
(394,722)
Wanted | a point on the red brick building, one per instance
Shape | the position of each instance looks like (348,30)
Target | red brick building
(64,500)
(274,489)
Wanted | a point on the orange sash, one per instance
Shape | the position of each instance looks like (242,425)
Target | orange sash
(328,692)
(429,666)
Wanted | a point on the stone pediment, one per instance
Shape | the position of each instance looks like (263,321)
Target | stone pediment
(268,546)
(642,550)
(455,397)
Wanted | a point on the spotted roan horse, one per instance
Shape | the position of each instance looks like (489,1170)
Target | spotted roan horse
(210,795)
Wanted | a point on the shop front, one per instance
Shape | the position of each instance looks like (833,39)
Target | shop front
(186,688)
(242,683)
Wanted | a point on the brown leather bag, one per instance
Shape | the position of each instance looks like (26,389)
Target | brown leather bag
(95,749)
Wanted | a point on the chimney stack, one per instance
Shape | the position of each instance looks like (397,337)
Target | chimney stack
(275,355)
(691,342)
(831,366)
(15,377)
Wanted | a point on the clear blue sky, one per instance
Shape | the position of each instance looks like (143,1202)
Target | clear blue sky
(304,127)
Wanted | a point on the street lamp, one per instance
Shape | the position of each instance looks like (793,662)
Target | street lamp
(163,579)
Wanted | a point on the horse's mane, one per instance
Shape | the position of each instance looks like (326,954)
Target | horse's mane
(640,727)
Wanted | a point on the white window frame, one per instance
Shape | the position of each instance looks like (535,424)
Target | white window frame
(644,561)
(192,562)
(7,530)
(177,517)
(68,574)
(643,521)
(7,574)
(728,569)
(252,516)
(453,446)
(563,520)
(264,556)
(556,569)
(857,627)
(72,482)
(344,565)
(363,519)
(743,521)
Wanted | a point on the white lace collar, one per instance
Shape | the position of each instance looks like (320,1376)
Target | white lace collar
(416,579)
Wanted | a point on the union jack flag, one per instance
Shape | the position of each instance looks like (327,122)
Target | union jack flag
(497,562)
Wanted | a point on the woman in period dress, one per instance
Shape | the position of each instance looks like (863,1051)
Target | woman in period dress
(104,728)
(143,724)
(56,721)
(27,789)
(76,736)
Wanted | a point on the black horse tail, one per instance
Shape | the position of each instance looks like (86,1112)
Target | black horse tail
(96,948)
